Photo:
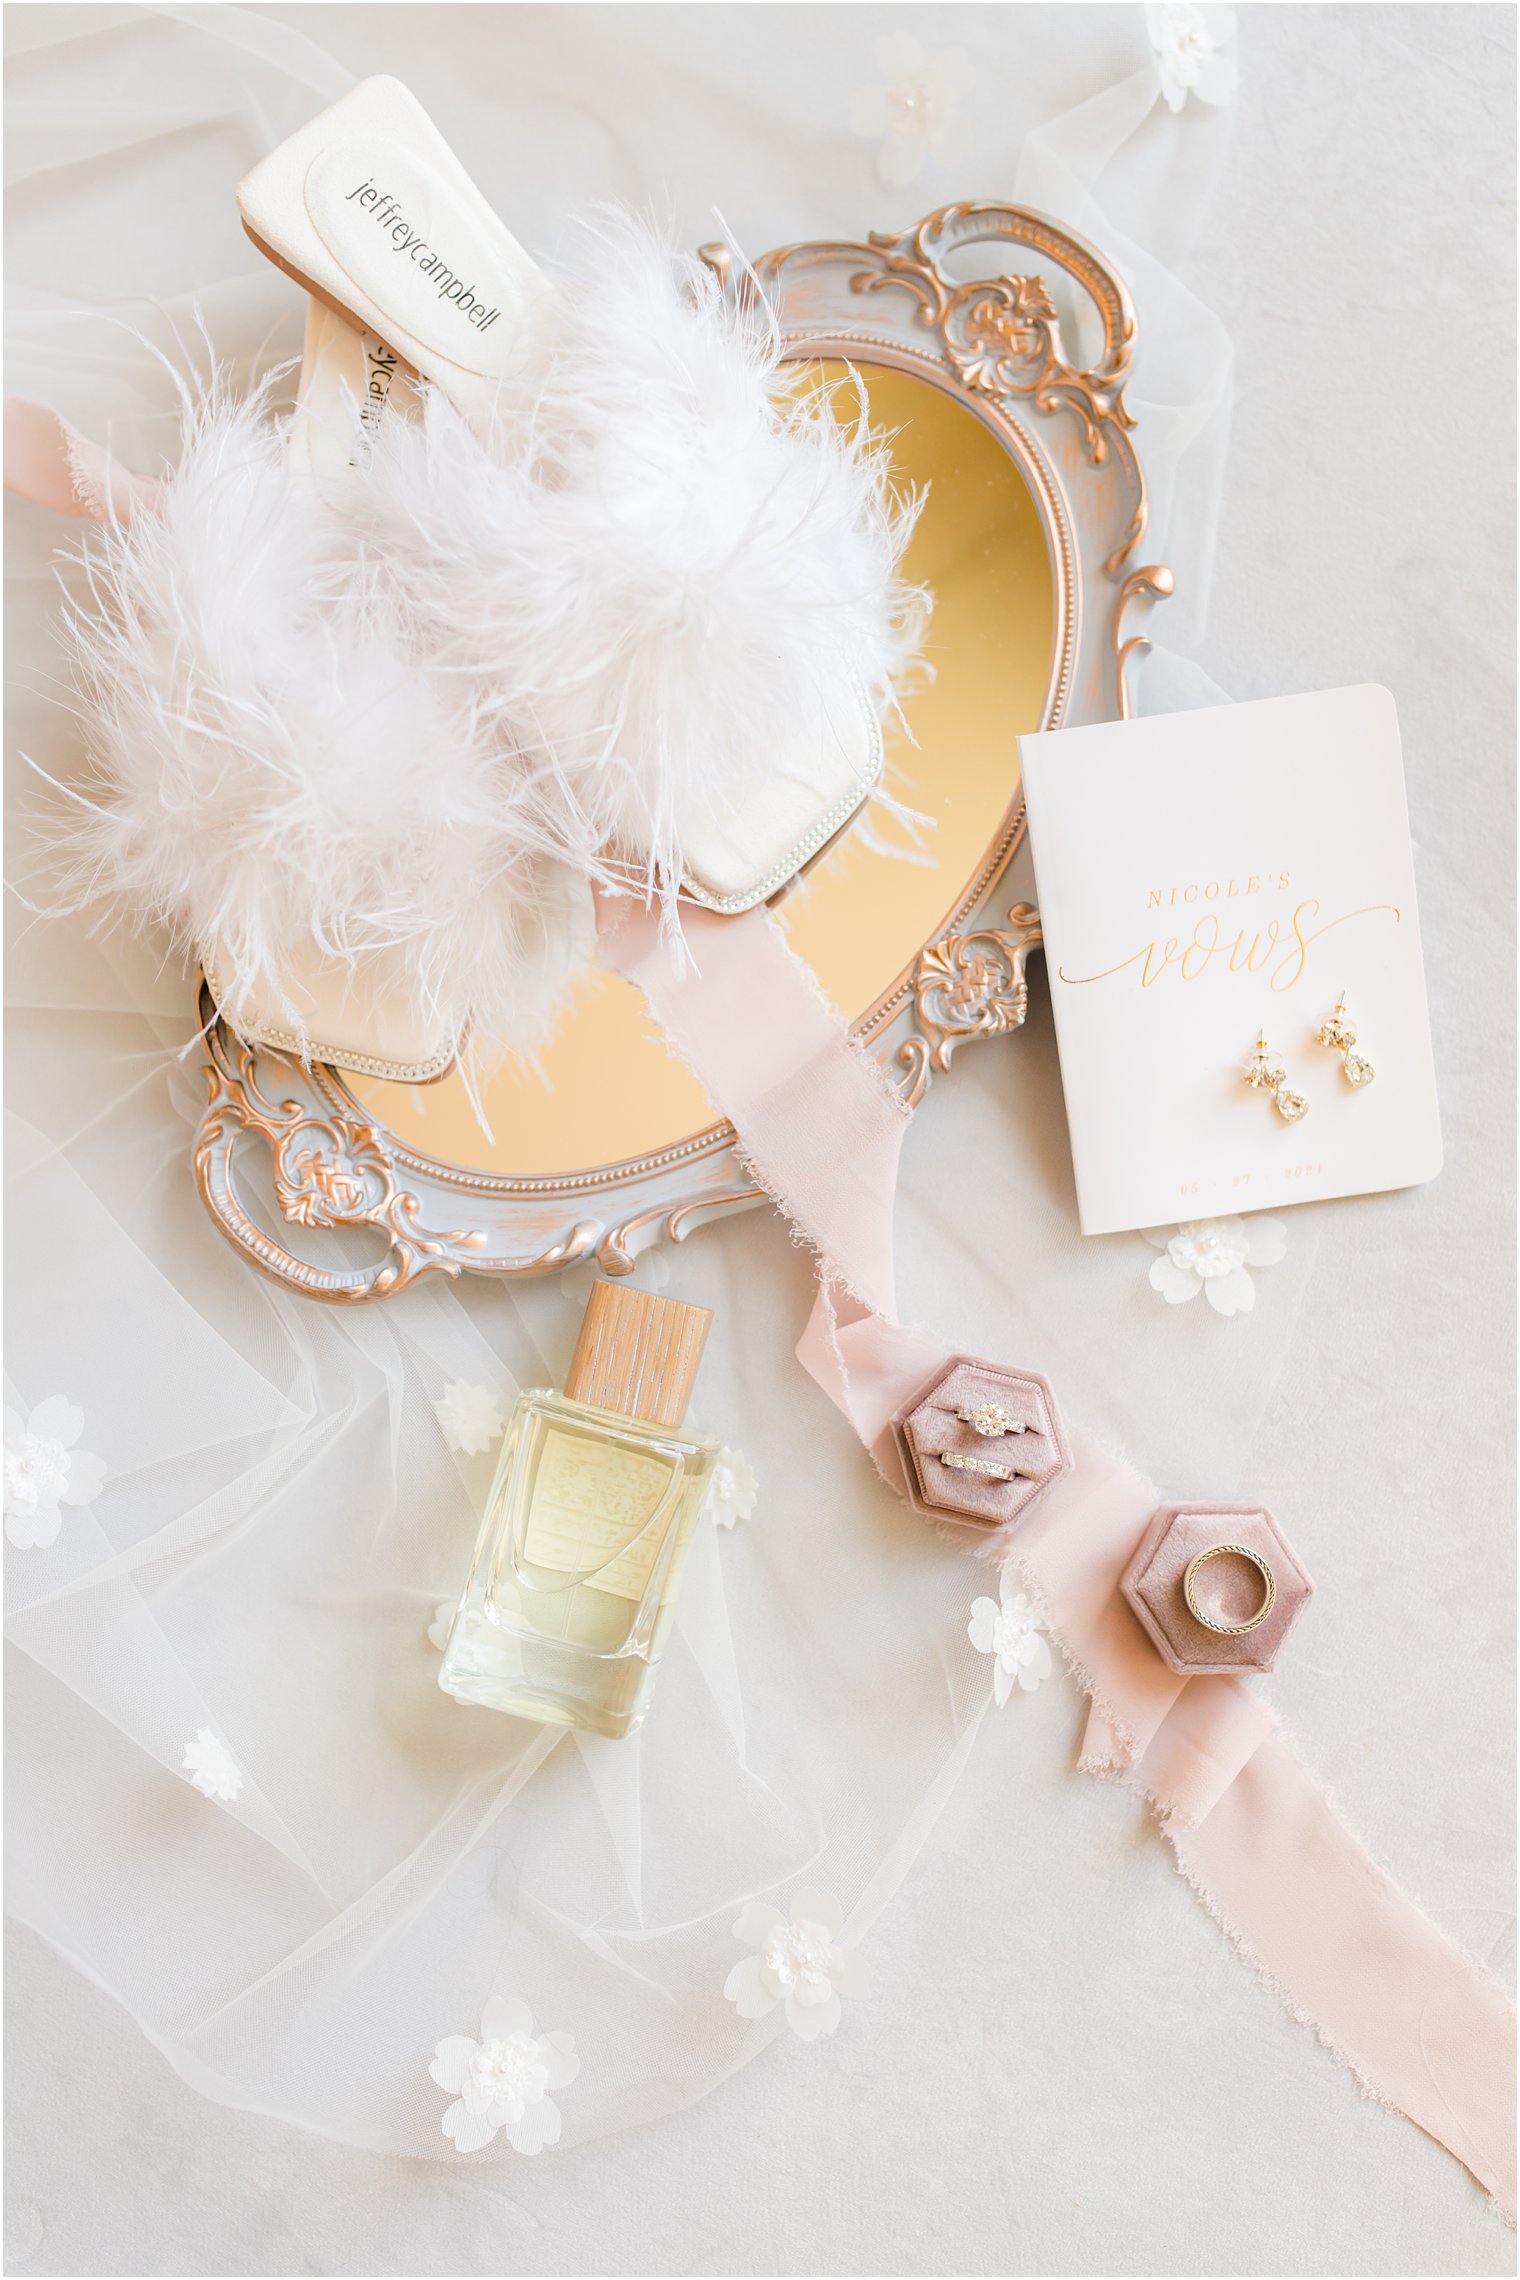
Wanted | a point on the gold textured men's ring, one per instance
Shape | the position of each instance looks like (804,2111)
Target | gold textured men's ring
(1239,1552)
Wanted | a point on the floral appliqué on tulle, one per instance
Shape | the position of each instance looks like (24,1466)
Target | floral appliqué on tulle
(45,1469)
(504,2080)
(912,110)
(1009,1631)
(800,1963)
(1212,1255)
(471,1417)
(1185,42)
(734,1488)
(211,1768)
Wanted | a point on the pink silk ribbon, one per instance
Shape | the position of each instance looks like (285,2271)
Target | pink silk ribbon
(1421,2026)
(53,465)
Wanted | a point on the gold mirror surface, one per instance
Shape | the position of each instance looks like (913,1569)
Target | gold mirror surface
(609,1090)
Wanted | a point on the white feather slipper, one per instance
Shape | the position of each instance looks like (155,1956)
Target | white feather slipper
(376,694)
(660,570)
(285,781)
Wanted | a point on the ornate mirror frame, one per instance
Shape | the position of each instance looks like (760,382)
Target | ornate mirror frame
(997,344)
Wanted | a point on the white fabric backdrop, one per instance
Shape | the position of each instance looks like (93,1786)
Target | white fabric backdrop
(1061,2054)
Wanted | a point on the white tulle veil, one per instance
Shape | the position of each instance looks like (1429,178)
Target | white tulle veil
(281,1513)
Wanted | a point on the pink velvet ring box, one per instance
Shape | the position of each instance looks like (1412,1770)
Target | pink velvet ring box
(1228,1589)
(927,1428)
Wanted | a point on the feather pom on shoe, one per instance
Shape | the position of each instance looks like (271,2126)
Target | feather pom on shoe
(277,766)
(420,713)
(669,566)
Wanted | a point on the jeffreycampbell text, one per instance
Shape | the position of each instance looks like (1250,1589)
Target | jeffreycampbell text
(386,213)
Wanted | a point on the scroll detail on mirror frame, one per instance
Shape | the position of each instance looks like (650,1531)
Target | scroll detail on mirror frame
(1003,339)
(997,343)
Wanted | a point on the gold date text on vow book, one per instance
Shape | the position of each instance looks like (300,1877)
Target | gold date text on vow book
(1207,878)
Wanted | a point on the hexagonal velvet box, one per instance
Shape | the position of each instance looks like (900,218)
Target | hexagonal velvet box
(1228,1587)
(979,1442)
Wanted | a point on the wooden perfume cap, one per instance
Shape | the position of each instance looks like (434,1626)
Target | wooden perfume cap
(637,1354)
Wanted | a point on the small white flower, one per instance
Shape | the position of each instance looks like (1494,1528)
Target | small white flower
(44,1470)
(1212,1255)
(913,112)
(212,1768)
(800,1963)
(503,2080)
(470,1416)
(734,1488)
(1186,42)
(443,1622)
(1011,1631)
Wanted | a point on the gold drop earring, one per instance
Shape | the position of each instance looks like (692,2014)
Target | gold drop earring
(1267,1074)
(1339,1035)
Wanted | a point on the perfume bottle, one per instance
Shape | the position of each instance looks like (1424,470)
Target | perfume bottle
(573,1586)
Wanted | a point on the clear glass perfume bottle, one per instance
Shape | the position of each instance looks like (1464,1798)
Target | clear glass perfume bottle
(573,1586)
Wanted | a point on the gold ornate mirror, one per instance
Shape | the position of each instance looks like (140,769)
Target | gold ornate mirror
(1034,509)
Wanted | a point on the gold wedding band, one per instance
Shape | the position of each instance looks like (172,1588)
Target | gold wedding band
(988,1471)
(1219,1552)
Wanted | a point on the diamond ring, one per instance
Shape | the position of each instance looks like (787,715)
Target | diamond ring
(988,1471)
(990,1418)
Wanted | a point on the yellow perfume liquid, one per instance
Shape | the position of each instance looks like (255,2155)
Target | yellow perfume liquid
(572,1590)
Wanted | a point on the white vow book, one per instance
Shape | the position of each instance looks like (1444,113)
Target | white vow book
(1206,878)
